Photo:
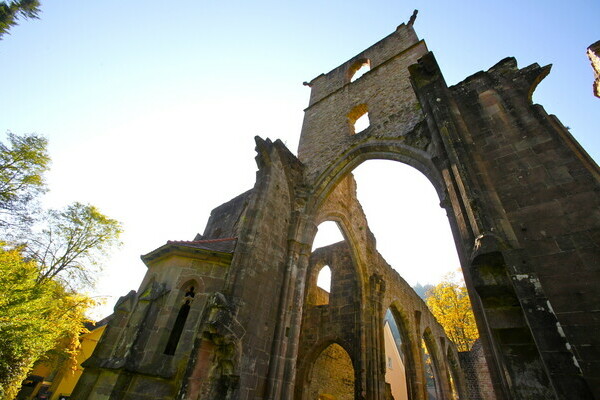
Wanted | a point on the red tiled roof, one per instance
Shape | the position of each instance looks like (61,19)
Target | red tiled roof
(225,245)
(200,241)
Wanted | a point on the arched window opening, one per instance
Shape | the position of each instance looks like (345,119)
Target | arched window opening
(362,123)
(404,213)
(395,374)
(328,233)
(431,383)
(359,68)
(332,375)
(320,280)
(323,286)
(324,279)
(359,118)
(180,322)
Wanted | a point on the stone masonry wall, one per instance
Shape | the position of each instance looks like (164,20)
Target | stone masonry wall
(523,203)
(337,321)
(132,349)
(478,382)
(355,301)
(392,106)
(549,191)
(259,264)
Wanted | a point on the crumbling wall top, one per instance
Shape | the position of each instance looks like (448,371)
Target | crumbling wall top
(224,219)
(593,53)
(403,38)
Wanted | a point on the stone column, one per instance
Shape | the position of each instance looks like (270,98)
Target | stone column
(375,353)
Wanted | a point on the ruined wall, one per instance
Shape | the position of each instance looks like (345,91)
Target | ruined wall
(478,382)
(259,265)
(131,359)
(520,192)
(226,345)
(363,287)
(548,189)
(225,220)
(340,322)
(316,296)
(523,205)
(392,106)
(335,322)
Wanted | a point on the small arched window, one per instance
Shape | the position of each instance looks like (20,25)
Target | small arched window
(323,286)
(179,324)
(358,69)
(327,233)
(324,279)
(358,118)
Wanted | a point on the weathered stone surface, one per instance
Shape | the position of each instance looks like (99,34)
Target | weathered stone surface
(333,376)
(477,377)
(523,203)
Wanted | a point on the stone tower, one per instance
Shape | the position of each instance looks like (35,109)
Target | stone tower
(236,314)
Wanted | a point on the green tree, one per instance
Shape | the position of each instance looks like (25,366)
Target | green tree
(42,267)
(23,163)
(34,319)
(12,10)
(68,244)
(450,305)
(72,244)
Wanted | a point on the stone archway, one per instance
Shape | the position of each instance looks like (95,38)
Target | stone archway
(339,320)
(499,164)
(400,364)
(521,197)
(331,375)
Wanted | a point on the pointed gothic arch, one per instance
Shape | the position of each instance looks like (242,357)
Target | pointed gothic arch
(409,348)
(340,358)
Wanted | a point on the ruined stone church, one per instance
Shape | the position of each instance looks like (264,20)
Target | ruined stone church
(236,313)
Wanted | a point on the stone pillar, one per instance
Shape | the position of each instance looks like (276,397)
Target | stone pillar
(282,372)
(376,389)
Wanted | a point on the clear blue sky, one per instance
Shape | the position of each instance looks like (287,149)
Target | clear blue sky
(151,107)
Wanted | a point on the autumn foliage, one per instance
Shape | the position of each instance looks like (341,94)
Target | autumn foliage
(450,305)
(34,319)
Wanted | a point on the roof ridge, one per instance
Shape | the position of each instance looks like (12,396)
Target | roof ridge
(201,241)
